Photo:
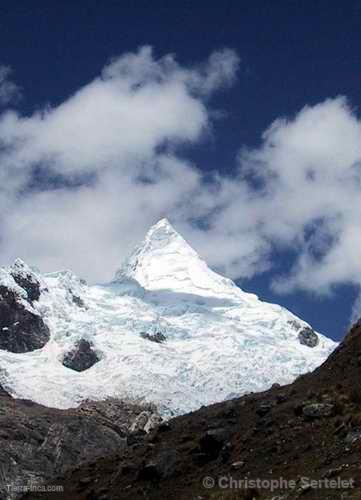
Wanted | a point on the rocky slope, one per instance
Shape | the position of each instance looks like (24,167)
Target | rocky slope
(167,330)
(38,443)
(307,433)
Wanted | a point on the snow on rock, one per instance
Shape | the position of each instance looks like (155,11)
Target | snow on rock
(26,279)
(220,341)
(7,281)
(81,357)
(22,328)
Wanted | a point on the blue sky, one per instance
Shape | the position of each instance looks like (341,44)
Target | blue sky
(272,59)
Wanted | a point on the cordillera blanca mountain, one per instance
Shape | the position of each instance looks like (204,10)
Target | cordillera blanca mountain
(166,330)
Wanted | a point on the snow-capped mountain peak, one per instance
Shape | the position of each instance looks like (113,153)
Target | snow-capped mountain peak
(166,261)
(168,329)
(164,232)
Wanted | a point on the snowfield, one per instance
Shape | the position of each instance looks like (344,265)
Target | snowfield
(220,342)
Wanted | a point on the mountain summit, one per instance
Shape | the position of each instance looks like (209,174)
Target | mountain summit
(165,261)
(167,330)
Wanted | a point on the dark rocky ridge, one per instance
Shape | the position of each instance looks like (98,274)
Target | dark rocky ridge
(81,357)
(311,428)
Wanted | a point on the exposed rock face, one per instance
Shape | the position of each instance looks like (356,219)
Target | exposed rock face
(38,443)
(26,279)
(318,410)
(81,357)
(154,337)
(21,328)
(78,301)
(308,337)
(146,421)
(127,417)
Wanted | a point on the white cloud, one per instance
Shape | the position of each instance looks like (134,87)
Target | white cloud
(9,91)
(115,142)
(300,191)
(123,129)
(311,169)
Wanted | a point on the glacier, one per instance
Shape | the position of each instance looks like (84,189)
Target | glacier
(215,341)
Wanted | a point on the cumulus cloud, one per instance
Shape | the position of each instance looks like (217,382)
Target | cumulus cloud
(310,168)
(81,183)
(9,91)
(113,144)
(298,194)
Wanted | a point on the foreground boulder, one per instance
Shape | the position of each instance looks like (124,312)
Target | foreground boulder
(81,357)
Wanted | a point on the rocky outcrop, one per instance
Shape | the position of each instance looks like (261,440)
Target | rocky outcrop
(146,421)
(318,410)
(26,279)
(308,337)
(78,301)
(128,417)
(22,329)
(157,337)
(37,443)
(81,357)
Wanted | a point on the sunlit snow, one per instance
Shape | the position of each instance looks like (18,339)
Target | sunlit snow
(220,341)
